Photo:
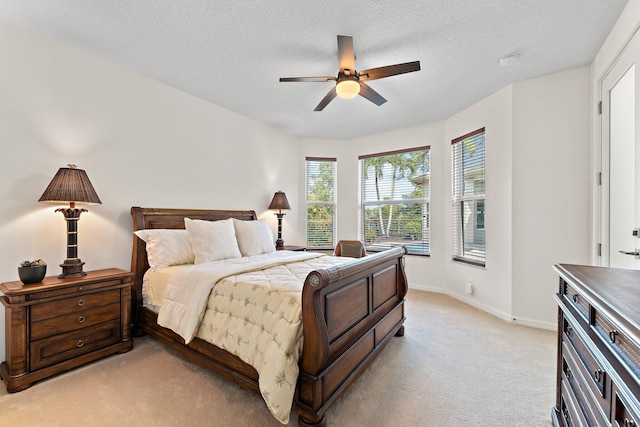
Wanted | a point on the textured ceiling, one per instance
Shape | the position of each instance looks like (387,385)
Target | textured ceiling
(232,53)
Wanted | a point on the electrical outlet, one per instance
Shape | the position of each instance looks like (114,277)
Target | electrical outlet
(471,288)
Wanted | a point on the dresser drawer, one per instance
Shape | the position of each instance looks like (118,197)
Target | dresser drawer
(574,299)
(63,347)
(73,305)
(572,415)
(619,342)
(74,321)
(623,414)
(572,374)
(594,373)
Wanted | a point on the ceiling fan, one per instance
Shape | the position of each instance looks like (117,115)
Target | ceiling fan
(349,82)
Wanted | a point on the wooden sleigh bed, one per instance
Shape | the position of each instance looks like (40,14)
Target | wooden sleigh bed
(350,313)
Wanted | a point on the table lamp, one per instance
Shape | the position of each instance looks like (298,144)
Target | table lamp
(279,203)
(71,185)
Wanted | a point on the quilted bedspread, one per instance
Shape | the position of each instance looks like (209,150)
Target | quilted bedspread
(254,310)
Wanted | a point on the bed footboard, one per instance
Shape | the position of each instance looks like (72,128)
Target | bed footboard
(350,312)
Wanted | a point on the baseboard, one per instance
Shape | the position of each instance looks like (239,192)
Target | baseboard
(487,309)
(532,323)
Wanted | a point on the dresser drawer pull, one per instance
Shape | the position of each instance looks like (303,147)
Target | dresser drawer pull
(81,319)
(81,302)
(629,423)
(79,344)
(569,330)
(597,375)
(612,336)
(575,298)
(569,373)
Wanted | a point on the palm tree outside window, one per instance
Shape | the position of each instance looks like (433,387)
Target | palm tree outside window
(394,200)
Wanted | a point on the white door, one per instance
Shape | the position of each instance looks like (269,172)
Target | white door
(621,158)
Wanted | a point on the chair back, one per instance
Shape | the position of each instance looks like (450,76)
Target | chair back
(350,248)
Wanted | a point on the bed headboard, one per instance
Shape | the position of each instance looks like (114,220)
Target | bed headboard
(149,218)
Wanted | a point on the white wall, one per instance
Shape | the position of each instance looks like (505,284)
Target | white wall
(142,143)
(551,187)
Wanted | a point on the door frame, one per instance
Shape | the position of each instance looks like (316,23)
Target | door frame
(601,249)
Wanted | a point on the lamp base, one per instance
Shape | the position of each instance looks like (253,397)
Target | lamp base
(279,241)
(72,268)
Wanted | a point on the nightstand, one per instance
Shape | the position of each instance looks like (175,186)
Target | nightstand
(59,324)
(292,248)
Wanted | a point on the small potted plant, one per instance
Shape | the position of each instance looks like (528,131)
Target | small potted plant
(32,271)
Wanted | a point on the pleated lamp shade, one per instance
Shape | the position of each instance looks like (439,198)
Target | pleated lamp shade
(70,185)
(279,202)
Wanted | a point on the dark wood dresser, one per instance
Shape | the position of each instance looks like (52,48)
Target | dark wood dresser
(60,324)
(598,371)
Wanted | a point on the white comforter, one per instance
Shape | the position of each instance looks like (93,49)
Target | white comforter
(251,307)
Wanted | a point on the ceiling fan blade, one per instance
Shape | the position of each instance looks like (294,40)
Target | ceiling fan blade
(308,79)
(389,70)
(346,56)
(327,99)
(371,94)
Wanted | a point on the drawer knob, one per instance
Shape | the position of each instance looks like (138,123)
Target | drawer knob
(598,375)
(613,335)
(569,330)
(569,373)
(81,302)
(575,297)
(79,344)
(629,423)
(81,319)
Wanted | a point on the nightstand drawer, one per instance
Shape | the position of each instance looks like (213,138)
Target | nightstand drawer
(74,321)
(81,286)
(73,305)
(63,347)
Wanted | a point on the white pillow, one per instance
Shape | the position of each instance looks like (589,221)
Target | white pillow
(212,240)
(166,247)
(254,237)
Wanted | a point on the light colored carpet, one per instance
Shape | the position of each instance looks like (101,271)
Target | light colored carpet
(455,366)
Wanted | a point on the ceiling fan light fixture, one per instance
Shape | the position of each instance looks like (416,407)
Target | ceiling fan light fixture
(350,83)
(348,88)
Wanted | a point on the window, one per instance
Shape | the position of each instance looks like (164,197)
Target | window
(468,198)
(394,200)
(321,202)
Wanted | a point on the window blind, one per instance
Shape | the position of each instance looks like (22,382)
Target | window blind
(394,199)
(321,202)
(468,197)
